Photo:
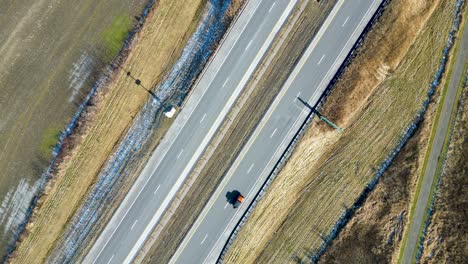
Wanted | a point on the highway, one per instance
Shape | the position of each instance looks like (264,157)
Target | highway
(309,79)
(423,198)
(211,99)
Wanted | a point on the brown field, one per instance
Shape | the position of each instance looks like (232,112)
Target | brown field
(258,95)
(376,98)
(368,238)
(153,52)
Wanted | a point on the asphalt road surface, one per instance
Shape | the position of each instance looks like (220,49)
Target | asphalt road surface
(423,199)
(172,161)
(307,82)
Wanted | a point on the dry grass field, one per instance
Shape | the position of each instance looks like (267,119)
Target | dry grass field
(375,100)
(236,130)
(446,240)
(155,49)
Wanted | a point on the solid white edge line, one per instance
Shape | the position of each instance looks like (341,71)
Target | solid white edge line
(210,134)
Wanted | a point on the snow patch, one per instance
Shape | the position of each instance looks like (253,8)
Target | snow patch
(80,72)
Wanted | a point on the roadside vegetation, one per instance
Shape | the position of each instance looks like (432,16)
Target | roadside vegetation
(156,47)
(241,122)
(375,100)
(376,231)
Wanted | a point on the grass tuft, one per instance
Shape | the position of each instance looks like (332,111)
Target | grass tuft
(49,140)
(115,35)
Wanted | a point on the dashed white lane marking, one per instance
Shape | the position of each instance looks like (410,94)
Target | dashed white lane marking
(345,22)
(203,118)
(271,8)
(274,132)
(248,45)
(134,223)
(226,205)
(110,259)
(297,96)
(180,153)
(203,241)
(155,191)
(250,168)
(227,79)
(320,61)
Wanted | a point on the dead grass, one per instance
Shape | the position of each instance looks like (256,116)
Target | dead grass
(234,136)
(376,98)
(157,46)
(446,240)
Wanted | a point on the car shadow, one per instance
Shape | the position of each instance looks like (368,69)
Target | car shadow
(231,197)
